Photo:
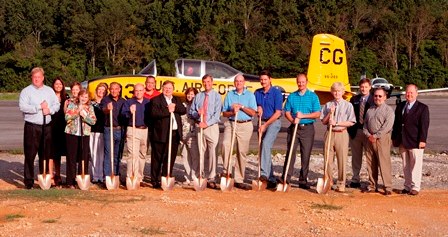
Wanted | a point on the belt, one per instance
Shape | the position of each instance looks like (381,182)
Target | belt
(38,125)
(341,130)
(141,127)
(264,120)
(305,124)
(241,121)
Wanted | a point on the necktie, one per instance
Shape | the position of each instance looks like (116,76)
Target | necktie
(205,107)
(406,109)
(361,111)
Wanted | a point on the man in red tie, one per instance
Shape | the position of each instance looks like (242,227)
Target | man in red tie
(208,104)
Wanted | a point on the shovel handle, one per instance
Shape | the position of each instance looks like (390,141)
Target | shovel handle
(201,155)
(232,142)
(170,138)
(133,143)
(290,152)
(111,122)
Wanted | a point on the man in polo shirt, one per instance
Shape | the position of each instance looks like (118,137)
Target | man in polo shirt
(136,105)
(113,102)
(242,101)
(344,117)
(302,107)
(269,106)
(36,101)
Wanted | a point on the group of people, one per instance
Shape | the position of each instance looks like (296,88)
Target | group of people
(96,131)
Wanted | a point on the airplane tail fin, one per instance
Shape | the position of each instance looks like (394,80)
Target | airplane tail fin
(328,64)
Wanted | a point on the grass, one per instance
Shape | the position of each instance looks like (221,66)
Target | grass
(9,96)
(150,231)
(11,217)
(326,206)
(49,221)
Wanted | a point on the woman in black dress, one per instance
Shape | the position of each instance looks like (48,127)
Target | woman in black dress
(58,135)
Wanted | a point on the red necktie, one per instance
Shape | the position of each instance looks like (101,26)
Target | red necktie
(205,107)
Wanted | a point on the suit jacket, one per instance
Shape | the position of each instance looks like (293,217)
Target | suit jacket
(411,129)
(356,102)
(160,118)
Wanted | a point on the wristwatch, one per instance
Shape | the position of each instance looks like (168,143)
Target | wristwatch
(242,106)
(336,125)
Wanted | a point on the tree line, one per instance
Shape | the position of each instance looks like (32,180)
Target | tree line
(403,40)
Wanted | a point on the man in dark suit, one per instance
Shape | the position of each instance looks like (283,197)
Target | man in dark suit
(358,141)
(160,108)
(410,132)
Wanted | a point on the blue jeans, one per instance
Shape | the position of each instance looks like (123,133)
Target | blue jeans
(117,139)
(267,142)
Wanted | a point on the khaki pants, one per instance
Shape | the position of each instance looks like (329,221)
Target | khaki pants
(139,155)
(378,157)
(412,168)
(339,147)
(242,138)
(209,143)
(358,146)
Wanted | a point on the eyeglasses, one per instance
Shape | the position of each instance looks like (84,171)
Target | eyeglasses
(378,96)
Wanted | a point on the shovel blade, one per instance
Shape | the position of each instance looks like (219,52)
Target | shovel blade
(132,183)
(323,185)
(83,181)
(167,183)
(283,187)
(226,184)
(112,182)
(257,185)
(44,181)
(199,184)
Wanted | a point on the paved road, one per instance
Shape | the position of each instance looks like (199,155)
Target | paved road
(11,125)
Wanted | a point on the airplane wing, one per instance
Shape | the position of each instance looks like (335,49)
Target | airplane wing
(399,93)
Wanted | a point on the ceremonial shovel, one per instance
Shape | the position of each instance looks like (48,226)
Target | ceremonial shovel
(112,181)
(324,184)
(44,179)
(284,187)
(257,185)
(82,180)
(168,182)
(132,182)
(201,183)
(227,182)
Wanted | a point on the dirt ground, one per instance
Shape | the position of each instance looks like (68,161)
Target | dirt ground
(184,212)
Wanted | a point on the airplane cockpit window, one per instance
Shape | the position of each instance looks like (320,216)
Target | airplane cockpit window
(381,80)
(189,68)
(150,69)
(219,70)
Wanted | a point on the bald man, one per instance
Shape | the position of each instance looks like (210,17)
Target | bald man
(136,105)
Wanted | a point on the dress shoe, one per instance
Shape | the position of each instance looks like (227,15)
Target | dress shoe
(212,185)
(404,191)
(413,192)
(242,186)
(263,178)
(387,193)
(304,186)
(29,186)
(271,185)
(340,190)
(156,185)
(370,191)
(355,185)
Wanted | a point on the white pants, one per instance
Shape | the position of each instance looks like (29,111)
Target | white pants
(97,156)
(412,168)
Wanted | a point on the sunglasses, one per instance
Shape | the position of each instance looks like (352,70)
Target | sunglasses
(378,96)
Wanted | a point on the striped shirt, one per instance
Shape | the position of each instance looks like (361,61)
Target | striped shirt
(379,120)
(306,104)
(213,108)
(344,112)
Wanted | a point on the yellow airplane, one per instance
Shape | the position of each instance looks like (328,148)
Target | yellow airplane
(328,64)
